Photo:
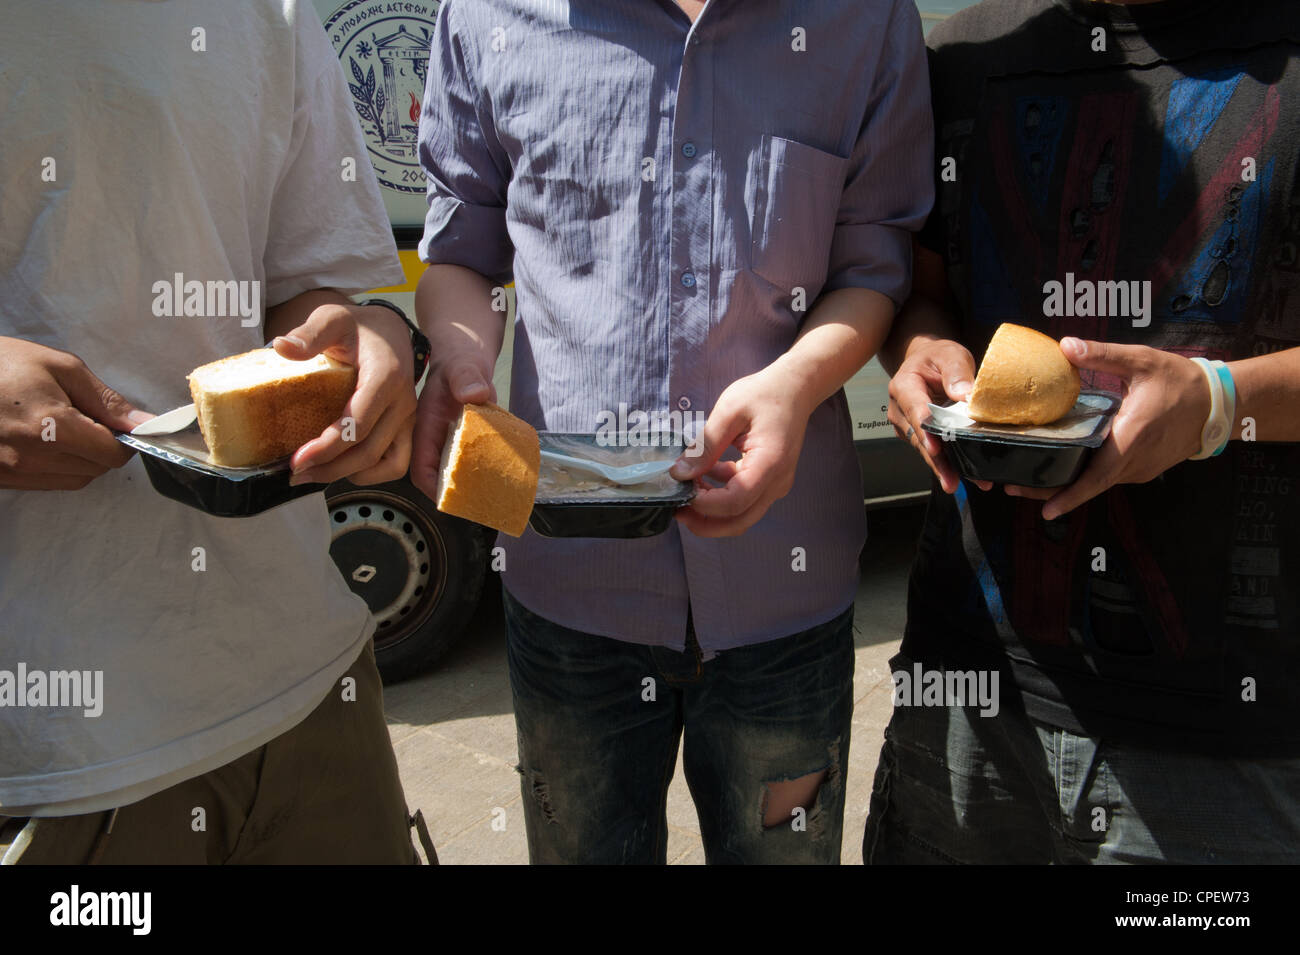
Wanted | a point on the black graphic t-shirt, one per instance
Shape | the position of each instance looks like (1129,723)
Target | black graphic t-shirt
(1083,143)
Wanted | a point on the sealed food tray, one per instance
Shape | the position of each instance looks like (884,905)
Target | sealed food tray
(1051,455)
(179,467)
(578,504)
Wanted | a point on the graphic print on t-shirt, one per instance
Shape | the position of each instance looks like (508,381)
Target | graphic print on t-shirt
(1089,187)
(1169,185)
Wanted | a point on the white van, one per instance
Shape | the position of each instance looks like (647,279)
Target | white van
(421,571)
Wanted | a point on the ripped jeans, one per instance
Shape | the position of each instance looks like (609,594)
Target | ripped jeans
(599,722)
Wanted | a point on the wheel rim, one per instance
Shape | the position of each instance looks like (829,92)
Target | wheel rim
(392,556)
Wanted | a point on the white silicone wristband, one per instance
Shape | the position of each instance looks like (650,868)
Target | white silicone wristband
(1215,431)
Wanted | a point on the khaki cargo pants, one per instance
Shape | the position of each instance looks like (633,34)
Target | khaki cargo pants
(326,791)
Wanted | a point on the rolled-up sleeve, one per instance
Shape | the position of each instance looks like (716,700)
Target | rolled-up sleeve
(889,187)
(467,168)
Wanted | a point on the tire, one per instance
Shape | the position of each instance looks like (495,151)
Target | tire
(420,571)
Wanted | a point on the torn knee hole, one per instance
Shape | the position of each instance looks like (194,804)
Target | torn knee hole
(540,790)
(791,799)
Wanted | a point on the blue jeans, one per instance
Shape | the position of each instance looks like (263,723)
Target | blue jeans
(955,787)
(599,722)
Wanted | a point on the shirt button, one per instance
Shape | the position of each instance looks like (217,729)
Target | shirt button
(683,402)
(688,150)
(688,279)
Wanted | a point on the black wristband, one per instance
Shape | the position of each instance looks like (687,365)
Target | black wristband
(419,343)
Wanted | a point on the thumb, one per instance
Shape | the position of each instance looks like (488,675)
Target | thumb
(958,385)
(330,330)
(1122,361)
(99,402)
(703,453)
(468,385)
(957,366)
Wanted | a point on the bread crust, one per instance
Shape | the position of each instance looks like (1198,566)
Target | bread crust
(489,473)
(1024,379)
(253,425)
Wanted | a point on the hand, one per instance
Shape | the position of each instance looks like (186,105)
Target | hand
(933,368)
(456,378)
(382,408)
(757,416)
(57,420)
(1158,424)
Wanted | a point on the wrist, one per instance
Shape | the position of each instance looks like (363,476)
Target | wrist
(798,382)
(390,321)
(1216,430)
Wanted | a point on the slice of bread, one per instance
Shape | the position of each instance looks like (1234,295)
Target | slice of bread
(488,472)
(1024,378)
(258,407)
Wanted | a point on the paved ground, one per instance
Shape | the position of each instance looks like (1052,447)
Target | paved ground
(454,731)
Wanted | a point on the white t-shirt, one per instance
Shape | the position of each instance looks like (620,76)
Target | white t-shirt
(210,140)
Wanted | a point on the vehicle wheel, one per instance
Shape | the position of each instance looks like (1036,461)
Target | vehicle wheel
(419,571)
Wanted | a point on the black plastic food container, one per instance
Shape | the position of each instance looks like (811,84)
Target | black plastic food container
(1030,456)
(179,468)
(640,511)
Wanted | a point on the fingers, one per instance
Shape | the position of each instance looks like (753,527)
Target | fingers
(59,437)
(909,408)
(361,415)
(45,468)
(394,462)
(927,445)
(1101,473)
(723,471)
(1030,493)
(93,398)
(751,486)
(721,428)
(454,383)
(379,408)
(68,465)
(73,436)
(743,488)
(365,455)
(707,525)
(942,365)
(426,450)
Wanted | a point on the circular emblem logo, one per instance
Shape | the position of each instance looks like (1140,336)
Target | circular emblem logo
(384,48)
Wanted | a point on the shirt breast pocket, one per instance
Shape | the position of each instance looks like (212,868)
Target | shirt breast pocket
(796,192)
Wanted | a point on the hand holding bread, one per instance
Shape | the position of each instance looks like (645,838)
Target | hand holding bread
(456,379)
(1165,404)
(369,442)
(258,407)
(932,370)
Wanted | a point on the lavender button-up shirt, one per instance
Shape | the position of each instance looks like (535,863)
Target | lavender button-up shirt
(665,195)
